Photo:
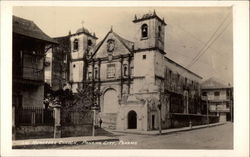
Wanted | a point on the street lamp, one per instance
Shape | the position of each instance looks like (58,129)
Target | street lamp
(207,111)
(159,107)
(94,108)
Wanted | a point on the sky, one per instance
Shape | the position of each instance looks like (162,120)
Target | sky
(199,38)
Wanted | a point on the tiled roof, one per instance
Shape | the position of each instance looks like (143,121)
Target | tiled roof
(30,29)
(214,83)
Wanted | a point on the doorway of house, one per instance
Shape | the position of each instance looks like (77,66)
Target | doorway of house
(132,120)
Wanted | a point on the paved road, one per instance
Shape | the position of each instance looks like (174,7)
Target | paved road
(219,137)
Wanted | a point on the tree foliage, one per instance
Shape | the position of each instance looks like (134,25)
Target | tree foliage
(85,98)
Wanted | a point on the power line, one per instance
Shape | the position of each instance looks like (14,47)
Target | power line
(194,37)
(209,46)
(207,43)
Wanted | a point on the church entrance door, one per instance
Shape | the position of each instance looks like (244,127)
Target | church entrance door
(132,120)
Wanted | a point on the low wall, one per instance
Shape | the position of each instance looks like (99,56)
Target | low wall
(178,120)
(76,130)
(34,132)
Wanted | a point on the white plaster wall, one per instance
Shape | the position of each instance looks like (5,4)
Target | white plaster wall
(76,73)
(82,40)
(161,63)
(144,68)
(223,95)
(141,112)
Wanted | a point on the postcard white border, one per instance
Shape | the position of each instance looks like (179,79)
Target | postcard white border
(241,80)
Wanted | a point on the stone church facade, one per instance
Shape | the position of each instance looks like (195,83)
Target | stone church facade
(139,85)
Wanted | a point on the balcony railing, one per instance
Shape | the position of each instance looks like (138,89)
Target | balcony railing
(32,73)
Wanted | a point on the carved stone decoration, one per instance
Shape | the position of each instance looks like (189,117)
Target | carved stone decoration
(111,45)
(152,103)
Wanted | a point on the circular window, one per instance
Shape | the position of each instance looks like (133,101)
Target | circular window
(74,65)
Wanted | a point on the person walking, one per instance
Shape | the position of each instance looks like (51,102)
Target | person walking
(100,122)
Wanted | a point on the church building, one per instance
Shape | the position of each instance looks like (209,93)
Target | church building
(139,85)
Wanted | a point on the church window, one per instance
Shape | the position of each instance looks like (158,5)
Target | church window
(96,73)
(144,31)
(216,93)
(170,75)
(90,42)
(75,45)
(89,75)
(144,56)
(159,32)
(111,71)
(74,65)
(125,70)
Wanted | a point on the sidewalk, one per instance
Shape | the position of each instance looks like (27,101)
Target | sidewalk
(166,131)
(95,139)
(61,141)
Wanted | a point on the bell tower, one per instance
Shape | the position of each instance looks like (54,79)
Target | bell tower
(82,43)
(148,51)
(150,32)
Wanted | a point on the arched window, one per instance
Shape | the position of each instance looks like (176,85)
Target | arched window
(90,42)
(159,32)
(125,70)
(96,73)
(144,31)
(75,45)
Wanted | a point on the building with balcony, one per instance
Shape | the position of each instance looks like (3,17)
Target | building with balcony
(30,45)
(219,98)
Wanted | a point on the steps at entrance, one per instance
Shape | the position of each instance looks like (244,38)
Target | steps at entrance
(103,132)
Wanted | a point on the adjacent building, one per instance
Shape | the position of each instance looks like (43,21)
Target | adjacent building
(219,98)
(30,44)
(140,86)
(60,63)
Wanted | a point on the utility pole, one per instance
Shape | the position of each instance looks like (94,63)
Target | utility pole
(207,111)
(94,117)
(231,104)
(159,107)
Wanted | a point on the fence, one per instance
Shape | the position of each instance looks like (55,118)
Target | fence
(76,117)
(34,116)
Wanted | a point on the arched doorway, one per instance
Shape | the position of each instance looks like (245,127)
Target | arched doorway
(132,120)
(110,104)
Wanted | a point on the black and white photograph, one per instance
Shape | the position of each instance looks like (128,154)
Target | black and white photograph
(118,77)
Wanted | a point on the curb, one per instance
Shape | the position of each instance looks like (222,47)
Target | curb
(170,132)
(62,143)
(190,129)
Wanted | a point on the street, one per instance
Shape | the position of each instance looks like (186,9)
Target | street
(219,137)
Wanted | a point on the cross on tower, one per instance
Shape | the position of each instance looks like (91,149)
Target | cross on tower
(82,22)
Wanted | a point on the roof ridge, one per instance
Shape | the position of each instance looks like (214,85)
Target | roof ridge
(121,39)
(29,28)
(218,83)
